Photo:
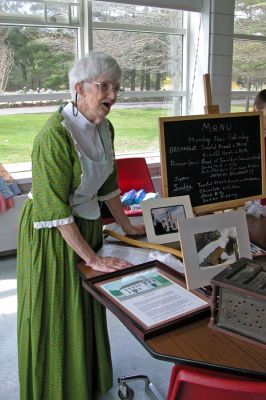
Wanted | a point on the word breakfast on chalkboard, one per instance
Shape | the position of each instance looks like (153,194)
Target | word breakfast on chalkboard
(216,159)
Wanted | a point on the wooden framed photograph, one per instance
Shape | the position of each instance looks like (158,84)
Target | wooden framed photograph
(161,216)
(148,298)
(210,243)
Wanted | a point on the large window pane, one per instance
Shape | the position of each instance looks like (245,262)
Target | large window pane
(34,64)
(250,17)
(149,61)
(249,54)
(146,41)
(21,8)
(35,59)
(139,15)
(152,66)
(249,74)
(136,125)
(249,64)
(60,12)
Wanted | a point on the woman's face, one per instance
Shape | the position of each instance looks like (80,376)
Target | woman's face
(96,98)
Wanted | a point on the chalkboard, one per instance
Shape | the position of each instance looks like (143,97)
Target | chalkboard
(216,159)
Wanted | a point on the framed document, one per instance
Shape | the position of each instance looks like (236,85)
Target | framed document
(149,298)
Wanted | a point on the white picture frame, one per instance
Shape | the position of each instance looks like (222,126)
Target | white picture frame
(211,243)
(165,211)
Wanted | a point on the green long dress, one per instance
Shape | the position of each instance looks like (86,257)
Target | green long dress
(63,346)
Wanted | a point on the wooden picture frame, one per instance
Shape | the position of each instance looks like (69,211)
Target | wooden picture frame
(216,159)
(210,243)
(161,215)
(140,297)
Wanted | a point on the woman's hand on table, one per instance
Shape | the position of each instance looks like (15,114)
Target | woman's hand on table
(111,264)
(72,236)
(108,264)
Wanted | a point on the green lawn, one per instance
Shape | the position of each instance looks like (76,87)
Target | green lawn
(136,130)
(16,136)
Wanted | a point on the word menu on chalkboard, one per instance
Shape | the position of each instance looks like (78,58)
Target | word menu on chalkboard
(216,159)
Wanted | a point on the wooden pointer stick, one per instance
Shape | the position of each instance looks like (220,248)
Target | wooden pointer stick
(147,245)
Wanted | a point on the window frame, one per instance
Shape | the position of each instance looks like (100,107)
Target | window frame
(43,20)
(244,94)
(85,43)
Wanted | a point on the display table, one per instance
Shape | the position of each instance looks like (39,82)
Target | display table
(196,344)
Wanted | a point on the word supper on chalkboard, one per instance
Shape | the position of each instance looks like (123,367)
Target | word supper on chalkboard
(216,159)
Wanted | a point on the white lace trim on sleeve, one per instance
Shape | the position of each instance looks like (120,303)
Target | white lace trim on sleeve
(109,195)
(54,223)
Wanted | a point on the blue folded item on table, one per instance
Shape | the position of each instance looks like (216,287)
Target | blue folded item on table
(139,196)
(128,198)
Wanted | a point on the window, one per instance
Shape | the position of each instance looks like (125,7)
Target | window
(147,42)
(249,54)
(39,39)
(36,60)
(41,12)
(34,68)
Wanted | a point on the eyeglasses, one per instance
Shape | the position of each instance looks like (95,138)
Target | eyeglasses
(106,87)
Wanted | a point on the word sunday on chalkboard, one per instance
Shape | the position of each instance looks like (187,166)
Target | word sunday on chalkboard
(216,159)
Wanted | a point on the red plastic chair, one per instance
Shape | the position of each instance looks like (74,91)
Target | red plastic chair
(190,383)
(133,173)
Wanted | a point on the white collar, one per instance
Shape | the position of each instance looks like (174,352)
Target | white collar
(79,120)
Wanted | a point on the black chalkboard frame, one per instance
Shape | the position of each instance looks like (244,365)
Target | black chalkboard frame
(258,135)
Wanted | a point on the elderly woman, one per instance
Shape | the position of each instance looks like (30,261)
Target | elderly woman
(63,346)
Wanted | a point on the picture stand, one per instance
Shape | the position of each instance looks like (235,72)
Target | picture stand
(209,108)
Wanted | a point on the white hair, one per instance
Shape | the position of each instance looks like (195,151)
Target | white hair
(92,65)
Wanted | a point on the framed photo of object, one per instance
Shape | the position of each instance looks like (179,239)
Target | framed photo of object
(161,216)
(211,243)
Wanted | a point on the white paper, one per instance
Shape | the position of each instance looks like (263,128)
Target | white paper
(137,256)
(151,297)
(131,254)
